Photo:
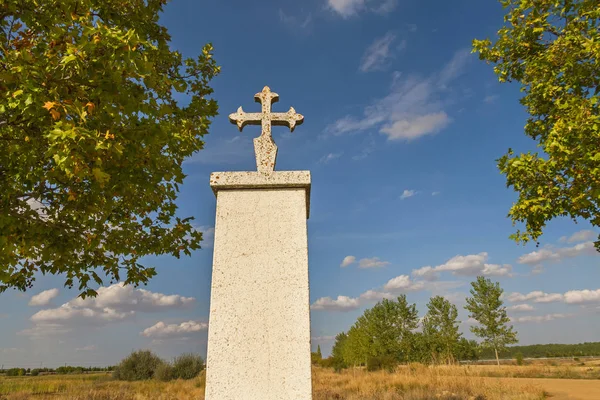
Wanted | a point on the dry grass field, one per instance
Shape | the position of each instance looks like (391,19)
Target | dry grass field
(413,382)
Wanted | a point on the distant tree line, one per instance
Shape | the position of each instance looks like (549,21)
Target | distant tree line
(63,370)
(388,333)
(548,350)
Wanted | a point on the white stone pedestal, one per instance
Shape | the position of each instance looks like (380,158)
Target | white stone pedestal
(259,324)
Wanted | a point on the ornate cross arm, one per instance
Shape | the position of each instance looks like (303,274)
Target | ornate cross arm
(266,118)
(264,146)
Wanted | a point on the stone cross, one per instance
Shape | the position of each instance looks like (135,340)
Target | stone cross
(265,148)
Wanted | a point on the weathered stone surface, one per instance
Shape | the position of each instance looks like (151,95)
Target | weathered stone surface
(258,180)
(264,146)
(259,327)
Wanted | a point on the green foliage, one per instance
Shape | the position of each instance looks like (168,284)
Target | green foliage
(68,369)
(552,48)
(550,350)
(316,357)
(337,352)
(93,140)
(385,362)
(440,330)
(164,372)
(187,366)
(519,358)
(486,307)
(468,350)
(15,372)
(385,330)
(139,365)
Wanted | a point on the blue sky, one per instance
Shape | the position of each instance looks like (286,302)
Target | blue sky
(402,129)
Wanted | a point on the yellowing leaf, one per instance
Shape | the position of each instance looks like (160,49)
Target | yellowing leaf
(72,196)
(101,177)
(49,104)
(90,107)
(17,93)
(55,114)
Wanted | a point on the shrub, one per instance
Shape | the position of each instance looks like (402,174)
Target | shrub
(139,365)
(519,358)
(164,372)
(15,372)
(187,366)
(35,372)
(386,362)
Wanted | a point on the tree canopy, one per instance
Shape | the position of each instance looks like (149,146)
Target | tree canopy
(487,308)
(93,139)
(552,49)
(440,329)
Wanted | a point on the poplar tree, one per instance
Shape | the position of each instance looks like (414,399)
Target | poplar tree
(487,308)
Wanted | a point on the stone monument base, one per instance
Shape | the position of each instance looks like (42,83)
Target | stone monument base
(259,326)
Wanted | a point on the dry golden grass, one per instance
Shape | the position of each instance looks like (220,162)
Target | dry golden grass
(413,382)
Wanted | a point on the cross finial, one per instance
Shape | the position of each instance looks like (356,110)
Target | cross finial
(264,146)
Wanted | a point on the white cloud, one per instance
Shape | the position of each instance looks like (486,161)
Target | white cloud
(42,330)
(428,273)
(497,270)
(378,53)
(469,265)
(91,347)
(435,193)
(521,308)
(558,254)
(342,303)
(329,157)
(582,296)
(374,262)
(581,236)
(374,295)
(349,8)
(128,298)
(401,283)
(404,283)
(415,127)
(490,99)
(295,22)
(43,298)
(162,331)
(112,304)
(347,261)
(414,107)
(67,312)
(407,193)
(540,318)
(537,296)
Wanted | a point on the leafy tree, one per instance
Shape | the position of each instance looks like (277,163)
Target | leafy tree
(319,354)
(384,330)
(139,365)
(486,307)
(93,140)
(337,355)
(187,366)
(468,349)
(551,48)
(519,358)
(440,328)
